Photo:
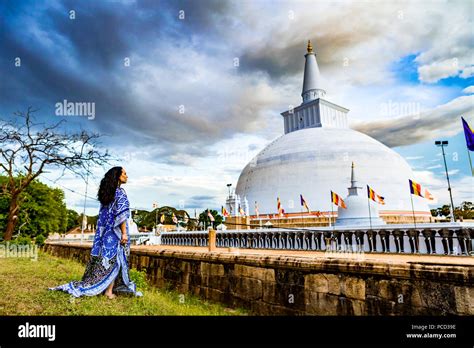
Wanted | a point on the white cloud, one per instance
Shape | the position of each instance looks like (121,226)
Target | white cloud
(434,167)
(452,172)
(428,178)
(468,90)
(357,41)
(467,72)
(438,70)
(443,120)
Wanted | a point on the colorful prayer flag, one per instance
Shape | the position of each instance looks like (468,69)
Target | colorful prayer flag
(174,218)
(415,188)
(375,197)
(418,190)
(162,218)
(304,204)
(241,211)
(428,195)
(469,134)
(210,215)
(280,209)
(224,212)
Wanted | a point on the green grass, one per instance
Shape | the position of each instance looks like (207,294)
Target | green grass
(24,291)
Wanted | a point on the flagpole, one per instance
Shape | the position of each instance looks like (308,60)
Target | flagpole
(301,209)
(332,213)
(330,216)
(413,209)
(370,215)
(333,225)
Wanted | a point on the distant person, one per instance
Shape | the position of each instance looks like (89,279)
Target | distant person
(107,271)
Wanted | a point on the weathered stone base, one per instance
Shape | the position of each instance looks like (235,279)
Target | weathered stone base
(289,285)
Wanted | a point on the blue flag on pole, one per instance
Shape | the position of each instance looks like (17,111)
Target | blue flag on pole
(468,132)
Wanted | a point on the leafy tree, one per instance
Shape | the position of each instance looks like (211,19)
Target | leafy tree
(28,149)
(465,210)
(39,240)
(467,206)
(205,220)
(148,219)
(4,204)
(192,225)
(91,220)
(43,210)
(72,219)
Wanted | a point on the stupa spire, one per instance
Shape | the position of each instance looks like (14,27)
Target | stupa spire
(353,189)
(314,111)
(312,79)
(353,178)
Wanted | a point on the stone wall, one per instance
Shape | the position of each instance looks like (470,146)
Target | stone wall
(289,285)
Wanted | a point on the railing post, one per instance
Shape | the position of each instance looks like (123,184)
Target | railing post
(212,240)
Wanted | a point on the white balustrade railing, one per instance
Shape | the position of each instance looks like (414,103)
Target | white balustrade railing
(440,238)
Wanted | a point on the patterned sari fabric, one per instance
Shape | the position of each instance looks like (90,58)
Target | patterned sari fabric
(109,259)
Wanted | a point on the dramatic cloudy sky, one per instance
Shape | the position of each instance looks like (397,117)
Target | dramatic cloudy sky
(187,92)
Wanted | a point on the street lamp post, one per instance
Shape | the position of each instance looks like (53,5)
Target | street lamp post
(229,185)
(155,206)
(442,144)
(84,219)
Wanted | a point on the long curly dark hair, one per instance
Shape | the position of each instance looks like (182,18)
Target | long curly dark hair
(108,185)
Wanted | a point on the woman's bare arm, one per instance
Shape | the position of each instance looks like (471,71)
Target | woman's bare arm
(123,227)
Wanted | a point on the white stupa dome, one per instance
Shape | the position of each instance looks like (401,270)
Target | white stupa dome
(314,161)
(358,210)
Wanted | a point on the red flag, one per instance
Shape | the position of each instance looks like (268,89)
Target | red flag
(224,212)
(280,209)
(210,215)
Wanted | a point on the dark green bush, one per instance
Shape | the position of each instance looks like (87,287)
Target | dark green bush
(39,240)
(21,240)
(139,278)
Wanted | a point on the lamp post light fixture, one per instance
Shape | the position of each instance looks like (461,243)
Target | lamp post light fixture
(442,144)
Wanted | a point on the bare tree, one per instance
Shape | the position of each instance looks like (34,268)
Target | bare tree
(28,149)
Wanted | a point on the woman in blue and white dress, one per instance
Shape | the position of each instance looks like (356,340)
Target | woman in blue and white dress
(107,271)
